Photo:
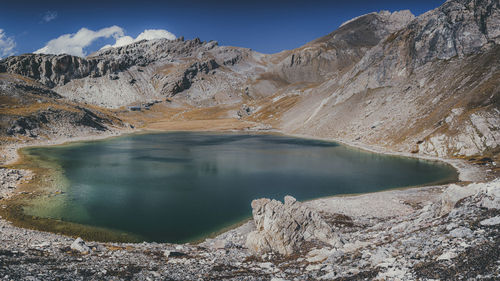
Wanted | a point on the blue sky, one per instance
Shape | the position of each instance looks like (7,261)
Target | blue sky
(266,26)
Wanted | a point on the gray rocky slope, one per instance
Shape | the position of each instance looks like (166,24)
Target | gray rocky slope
(143,71)
(432,87)
(31,111)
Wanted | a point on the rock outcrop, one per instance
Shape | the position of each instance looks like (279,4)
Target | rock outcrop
(57,70)
(182,79)
(80,246)
(283,228)
(457,28)
(488,196)
(54,70)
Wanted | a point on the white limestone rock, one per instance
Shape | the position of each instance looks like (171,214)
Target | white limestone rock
(80,246)
(452,195)
(282,228)
(447,256)
(491,221)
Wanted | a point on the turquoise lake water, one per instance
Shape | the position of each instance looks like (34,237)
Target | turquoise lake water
(176,187)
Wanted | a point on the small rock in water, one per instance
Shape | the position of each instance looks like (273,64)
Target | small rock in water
(79,246)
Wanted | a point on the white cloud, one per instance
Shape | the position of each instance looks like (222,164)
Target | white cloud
(121,41)
(74,44)
(148,34)
(7,45)
(49,16)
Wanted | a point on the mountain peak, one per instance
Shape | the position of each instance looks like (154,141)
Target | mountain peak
(398,18)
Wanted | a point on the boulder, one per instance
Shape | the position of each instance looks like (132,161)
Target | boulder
(80,246)
(488,192)
(284,227)
(452,195)
(491,221)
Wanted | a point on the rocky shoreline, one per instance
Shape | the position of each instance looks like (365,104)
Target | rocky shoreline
(397,234)
(466,171)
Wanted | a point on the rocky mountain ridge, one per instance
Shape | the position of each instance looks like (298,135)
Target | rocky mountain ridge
(58,70)
(138,72)
(336,52)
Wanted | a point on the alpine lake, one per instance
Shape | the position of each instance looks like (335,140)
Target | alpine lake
(184,186)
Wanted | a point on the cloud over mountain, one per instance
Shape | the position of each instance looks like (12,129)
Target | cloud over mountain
(148,34)
(75,43)
(7,45)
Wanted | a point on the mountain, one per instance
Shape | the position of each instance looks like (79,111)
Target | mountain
(432,87)
(141,71)
(428,84)
(332,55)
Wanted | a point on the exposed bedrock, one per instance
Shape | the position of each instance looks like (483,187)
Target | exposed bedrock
(57,70)
(457,28)
(53,121)
(283,228)
(183,78)
(54,70)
